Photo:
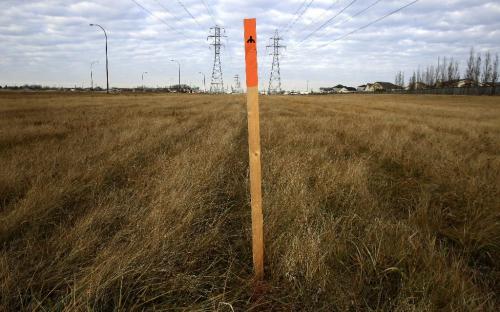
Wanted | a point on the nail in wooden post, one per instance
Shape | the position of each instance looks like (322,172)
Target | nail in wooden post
(254,146)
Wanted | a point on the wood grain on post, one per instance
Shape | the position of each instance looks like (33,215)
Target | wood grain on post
(254,146)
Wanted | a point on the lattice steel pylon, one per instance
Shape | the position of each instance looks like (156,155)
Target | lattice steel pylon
(275,77)
(217,83)
(237,84)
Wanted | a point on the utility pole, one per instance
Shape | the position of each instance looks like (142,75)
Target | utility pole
(307,90)
(204,82)
(237,84)
(107,68)
(92,74)
(217,83)
(179,85)
(275,77)
(142,78)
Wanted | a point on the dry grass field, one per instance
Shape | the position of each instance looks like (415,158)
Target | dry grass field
(140,202)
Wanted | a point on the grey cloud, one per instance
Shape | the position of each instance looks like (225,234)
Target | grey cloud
(50,41)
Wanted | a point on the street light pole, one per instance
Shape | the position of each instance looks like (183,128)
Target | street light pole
(204,84)
(179,86)
(143,80)
(107,68)
(92,75)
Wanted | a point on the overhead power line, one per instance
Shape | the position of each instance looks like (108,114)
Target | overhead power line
(358,13)
(355,14)
(299,16)
(209,10)
(373,22)
(157,17)
(189,13)
(295,14)
(168,11)
(328,21)
(319,18)
(328,9)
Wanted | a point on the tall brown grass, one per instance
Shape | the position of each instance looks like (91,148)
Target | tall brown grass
(140,202)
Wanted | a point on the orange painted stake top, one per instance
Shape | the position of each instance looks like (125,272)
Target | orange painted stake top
(251,52)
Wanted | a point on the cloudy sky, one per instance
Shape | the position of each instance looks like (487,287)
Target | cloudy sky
(50,42)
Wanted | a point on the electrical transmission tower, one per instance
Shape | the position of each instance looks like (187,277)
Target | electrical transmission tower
(237,84)
(275,78)
(217,83)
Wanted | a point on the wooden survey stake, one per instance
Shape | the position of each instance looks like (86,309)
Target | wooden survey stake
(254,147)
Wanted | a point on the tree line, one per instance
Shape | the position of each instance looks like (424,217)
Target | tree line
(481,70)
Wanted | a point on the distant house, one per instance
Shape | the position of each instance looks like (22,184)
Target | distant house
(489,84)
(338,87)
(381,86)
(326,90)
(347,90)
(417,86)
(361,88)
(420,86)
(461,83)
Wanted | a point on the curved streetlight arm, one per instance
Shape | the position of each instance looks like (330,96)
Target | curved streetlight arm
(107,66)
(105,34)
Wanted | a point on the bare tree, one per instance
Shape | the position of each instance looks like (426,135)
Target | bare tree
(453,70)
(456,71)
(487,69)
(477,69)
(450,70)
(442,70)
(397,79)
(400,79)
(413,81)
(432,81)
(427,76)
(447,72)
(494,74)
(436,76)
(469,73)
